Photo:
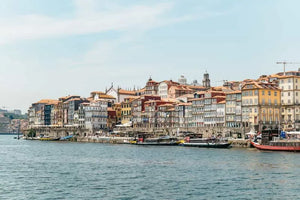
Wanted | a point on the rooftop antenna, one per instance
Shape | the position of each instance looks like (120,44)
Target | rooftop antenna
(284,63)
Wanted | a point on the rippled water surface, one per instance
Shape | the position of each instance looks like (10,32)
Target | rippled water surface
(60,170)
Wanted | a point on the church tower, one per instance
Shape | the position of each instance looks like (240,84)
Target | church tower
(206,80)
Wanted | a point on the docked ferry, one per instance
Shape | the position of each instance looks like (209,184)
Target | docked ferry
(289,141)
(278,146)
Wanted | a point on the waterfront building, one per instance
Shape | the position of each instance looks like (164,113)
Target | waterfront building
(261,105)
(71,106)
(120,94)
(220,115)
(96,115)
(290,101)
(81,114)
(233,85)
(138,107)
(166,115)
(289,73)
(126,113)
(97,95)
(204,108)
(65,107)
(179,90)
(111,118)
(40,112)
(198,110)
(140,92)
(57,114)
(234,109)
(117,107)
(149,116)
(163,88)
(151,87)
(184,115)
(46,116)
(76,119)
(185,98)
(212,99)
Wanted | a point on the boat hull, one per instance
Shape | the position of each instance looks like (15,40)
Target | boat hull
(157,144)
(208,145)
(49,139)
(275,148)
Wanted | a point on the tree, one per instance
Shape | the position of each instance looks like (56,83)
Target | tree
(31,133)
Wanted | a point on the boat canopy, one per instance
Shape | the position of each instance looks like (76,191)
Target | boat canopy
(293,133)
(251,133)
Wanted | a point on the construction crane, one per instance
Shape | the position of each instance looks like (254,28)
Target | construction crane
(284,63)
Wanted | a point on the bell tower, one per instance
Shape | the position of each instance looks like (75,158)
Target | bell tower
(206,80)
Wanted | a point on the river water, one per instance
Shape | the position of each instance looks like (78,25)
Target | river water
(66,170)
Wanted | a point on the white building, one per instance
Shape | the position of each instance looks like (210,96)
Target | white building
(163,88)
(290,102)
(182,80)
(120,94)
(95,115)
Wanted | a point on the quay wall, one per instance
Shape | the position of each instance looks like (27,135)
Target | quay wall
(85,135)
(205,131)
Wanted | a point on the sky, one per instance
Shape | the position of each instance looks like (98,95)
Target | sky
(53,48)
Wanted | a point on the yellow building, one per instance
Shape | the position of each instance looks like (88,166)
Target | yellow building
(118,109)
(261,105)
(126,109)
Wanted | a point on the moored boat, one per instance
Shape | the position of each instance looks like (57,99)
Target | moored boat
(66,137)
(287,141)
(292,145)
(48,139)
(206,143)
(162,141)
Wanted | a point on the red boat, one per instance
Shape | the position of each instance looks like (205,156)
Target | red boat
(278,146)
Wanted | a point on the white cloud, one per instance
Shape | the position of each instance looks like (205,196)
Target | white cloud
(86,21)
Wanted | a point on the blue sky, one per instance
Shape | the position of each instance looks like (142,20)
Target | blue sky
(52,48)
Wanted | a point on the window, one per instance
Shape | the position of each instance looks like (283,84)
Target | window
(256,92)
(289,94)
(275,94)
(263,102)
(289,87)
(263,92)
